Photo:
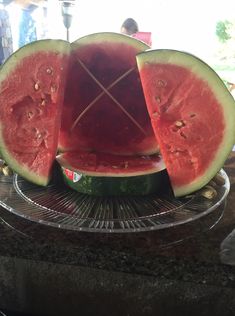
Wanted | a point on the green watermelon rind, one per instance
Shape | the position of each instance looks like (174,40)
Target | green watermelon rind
(206,73)
(48,45)
(115,181)
(138,185)
(114,186)
(60,46)
(110,37)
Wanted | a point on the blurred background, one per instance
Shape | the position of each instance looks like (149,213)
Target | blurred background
(203,27)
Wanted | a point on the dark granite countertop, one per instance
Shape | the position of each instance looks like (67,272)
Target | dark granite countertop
(49,271)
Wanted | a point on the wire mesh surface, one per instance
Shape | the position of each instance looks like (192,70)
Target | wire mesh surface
(64,208)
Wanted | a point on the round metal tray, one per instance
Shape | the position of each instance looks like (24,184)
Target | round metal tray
(61,207)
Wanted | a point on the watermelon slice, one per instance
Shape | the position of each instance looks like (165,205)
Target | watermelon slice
(192,114)
(104,107)
(31,96)
(107,174)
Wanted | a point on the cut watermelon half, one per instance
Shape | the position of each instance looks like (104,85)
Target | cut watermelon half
(104,108)
(31,97)
(107,174)
(192,114)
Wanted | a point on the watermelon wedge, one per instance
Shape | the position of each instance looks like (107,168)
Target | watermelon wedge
(192,114)
(104,107)
(31,97)
(107,174)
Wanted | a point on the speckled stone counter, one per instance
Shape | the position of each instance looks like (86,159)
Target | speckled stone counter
(48,271)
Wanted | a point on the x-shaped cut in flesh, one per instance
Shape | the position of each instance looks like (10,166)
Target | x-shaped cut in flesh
(106,91)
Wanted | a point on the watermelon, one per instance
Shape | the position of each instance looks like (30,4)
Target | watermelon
(107,174)
(31,97)
(104,106)
(86,99)
(192,114)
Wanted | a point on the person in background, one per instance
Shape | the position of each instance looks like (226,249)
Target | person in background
(27,27)
(129,27)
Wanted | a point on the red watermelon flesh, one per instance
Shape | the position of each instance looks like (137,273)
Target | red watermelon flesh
(31,99)
(106,165)
(192,114)
(104,108)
